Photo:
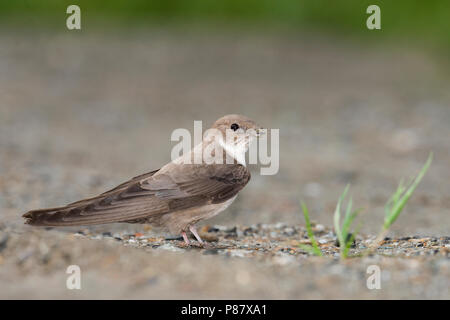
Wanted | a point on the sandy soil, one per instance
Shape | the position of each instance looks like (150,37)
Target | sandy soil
(80,113)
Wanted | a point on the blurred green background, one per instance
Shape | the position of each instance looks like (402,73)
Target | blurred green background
(411,20)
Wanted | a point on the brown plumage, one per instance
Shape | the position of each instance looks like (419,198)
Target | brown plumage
(175,197)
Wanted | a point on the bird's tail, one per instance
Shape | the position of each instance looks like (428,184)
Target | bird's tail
(105,208)
(52,217)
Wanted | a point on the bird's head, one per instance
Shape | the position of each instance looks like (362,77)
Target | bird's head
(233,134)
(237,131)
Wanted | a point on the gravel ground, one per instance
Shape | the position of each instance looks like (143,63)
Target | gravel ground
(80,113)
(259,262)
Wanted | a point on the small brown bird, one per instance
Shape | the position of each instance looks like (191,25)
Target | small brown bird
(175,197)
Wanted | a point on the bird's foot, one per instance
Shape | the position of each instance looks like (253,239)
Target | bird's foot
(186,239)
(194,232)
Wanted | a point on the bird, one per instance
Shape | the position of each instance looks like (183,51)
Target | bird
(179,194)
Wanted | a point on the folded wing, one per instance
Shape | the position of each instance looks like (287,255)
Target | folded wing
(154,193)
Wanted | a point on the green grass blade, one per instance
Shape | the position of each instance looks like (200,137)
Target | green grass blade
(394,198)
(337,216)
(315,247)
(348,218)
(348,244)
(399,202)
(310,249)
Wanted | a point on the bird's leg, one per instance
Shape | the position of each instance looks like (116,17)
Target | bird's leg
(185,238)
(194,232)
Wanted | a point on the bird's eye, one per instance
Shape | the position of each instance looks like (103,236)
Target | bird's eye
(234,126)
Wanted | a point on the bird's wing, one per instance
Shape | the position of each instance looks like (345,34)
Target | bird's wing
(178,188)
(185,185)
